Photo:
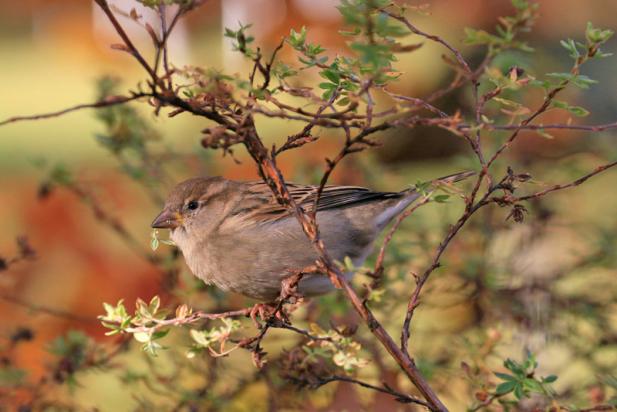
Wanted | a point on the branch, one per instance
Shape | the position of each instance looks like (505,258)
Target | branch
(414,300)
(587,128)
(102,216)
(276,323)
(127,41)
(574,183)
(486,402)
(106,102)
(46,310)
(26,252)
(192,318)
(273,177)
(378,271)
(548,99)
(457,54)
(400,397)
(596,408)
(469,211)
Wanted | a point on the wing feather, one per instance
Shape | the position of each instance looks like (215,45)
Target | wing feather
(259,206)
(332,197)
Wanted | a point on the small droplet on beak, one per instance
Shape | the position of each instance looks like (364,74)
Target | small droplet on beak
(166,220)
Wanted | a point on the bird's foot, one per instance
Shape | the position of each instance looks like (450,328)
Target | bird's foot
(289,285)
(264,311)
(289,294)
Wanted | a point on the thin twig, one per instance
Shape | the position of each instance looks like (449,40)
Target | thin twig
(457,54)
(581,127)
(108,101)
(192,318)
(400,397)
(574,183)
(389,236)
(125,38)
(47,310)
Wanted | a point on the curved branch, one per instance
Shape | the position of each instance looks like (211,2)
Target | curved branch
(457,54)
(125,38)
(106,102)
(400,397)
(574,183)
(46,310)
(581,127)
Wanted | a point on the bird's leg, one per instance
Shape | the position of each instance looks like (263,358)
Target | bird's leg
(264,310)
(289,285)
(289,290)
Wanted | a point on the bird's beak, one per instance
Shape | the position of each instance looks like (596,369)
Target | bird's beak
(167,220)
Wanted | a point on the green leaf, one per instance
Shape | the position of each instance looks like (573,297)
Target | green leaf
(565,77)
(549,379)
(578,111)
(313,50)
(570,46)
(441,198)
(141,337)
(151,348)
(282,70)
(508,103)
(154,305)
(575,110)
(580,80)
(348,264)
(154,241)
(159,334)
(545,84)
(201,337)
(376,295)
(230,33)
(506,387)
(422,187)
(505,376)
(343,102)
(544,134)
(530,362)
(583,81)
(518,391)
(520,4)
(533,385)
(297,39)
(331,75)
(597,36)
(475,37)
(11,377)
(515,367)
(353,32)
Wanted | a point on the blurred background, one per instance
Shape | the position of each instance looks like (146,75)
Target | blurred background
(546,285)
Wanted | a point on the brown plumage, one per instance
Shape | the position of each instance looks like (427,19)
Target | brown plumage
(236,236)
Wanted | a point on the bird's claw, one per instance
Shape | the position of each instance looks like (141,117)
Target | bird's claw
(264,311)
(289,293)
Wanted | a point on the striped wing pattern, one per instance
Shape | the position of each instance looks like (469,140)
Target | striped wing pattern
(332,197)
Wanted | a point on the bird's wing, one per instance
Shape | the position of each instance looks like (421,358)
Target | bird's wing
(263,207)
(259,206)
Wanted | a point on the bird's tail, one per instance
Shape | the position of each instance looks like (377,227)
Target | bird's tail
(431,185)
(453,178)
(408,196)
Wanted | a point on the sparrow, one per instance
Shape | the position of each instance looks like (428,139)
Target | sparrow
(236,236)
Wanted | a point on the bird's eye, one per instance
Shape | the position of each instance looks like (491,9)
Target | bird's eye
(192,205)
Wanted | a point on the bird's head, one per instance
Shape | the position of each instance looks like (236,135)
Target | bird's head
(193,205)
